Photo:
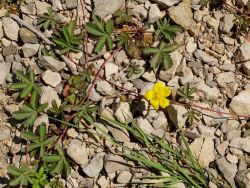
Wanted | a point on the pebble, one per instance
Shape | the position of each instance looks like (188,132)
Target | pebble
(9,50)
(154,13)
(42,7)
(232,158)
(110,69)
(78,152)
(52,63)
(241,143)
(176,113)
(28,36)
(240,104)
(203,56)
(243,178)
(95,166)
(166,3)
(207,152)
(48,94)
(225,78)
(123,113)
(4,72)
(221,148)
(51,78)
(104,88)
(124,177)
(1,30)
(30,50)
(10,28)
(227,23)
(145,125)
(191,46)
(71,4)
(140,12)
(103,182)
(114,163)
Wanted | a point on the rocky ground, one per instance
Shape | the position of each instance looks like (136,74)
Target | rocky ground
(212,57)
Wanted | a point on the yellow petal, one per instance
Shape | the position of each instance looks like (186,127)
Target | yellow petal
(154,103)
(149,94)
(158,86)
(165,91)
(164,102)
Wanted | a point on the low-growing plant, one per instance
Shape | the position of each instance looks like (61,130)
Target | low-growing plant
(48,20)
(134,69)
(192,116)
(122,17)
(40,179)
(186,93)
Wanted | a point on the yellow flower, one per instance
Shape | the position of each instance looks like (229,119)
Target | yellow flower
(157,96)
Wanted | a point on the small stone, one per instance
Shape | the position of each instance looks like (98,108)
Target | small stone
(225,78)
(30,50)
(241,143)
(229,170)
(48,95)
(71,4)
(120,57)
(104,88)
(203,56)
(51,78)
(104,8)
(182,15)
(56,5)
(228,40)
(207,152)
(145,125)
(176,113)
(9,50)
(233,134)
(4,72)
(29,8)
(243,178)
(95,166)
(124,177)
(149,76)
(166,3)
(123,113)
(198,15)
(28,36)
(42,7)
(10,28)
(228,22)
(78,152)
(240,104)
(103,182)
(219,48)
(1,30)
(5,132)
(114,163)
(209,92)
(245,48)
(154,13)
(221,148)
(232,158)
(111,69)
(140,12)
(229,125)
(52,63)
(191,46)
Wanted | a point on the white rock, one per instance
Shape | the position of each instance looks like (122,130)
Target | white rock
(166,3)
(210,93)
(203,56)
(104,88)
(111,69)
(124,177)
(232,158)
(229,170)
(176,113)
(123,113)
(225,78)
(154,13)
(4,72)
(241,143)
(228,22)
(103,182)
(149,76)
(145,125)
(182,15)
(95,166)
(56,4)
(51,78)
(207,152)
(191,46)
(78,152)
(114,163)
(71,4)
(30,50)
(48,95)
(42,7)
(10,28)
(120,57)
(140,11)
(240,104)
(52,63)
(104,8)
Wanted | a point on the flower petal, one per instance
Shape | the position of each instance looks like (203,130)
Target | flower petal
(165,91)
(154,103)
(158,86)
(149,95)
(164,102)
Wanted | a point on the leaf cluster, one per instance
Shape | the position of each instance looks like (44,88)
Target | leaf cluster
(186,93)
(48,20)
(134,69)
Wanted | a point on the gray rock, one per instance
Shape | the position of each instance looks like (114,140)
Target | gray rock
(9,50)
(154,13)
(51,78)
(221,148)
(232,134)
(241,143)
(114,163)
(210,93)
(27,36)
(4,72)
(124,177)
(5,132)
(10,28)
(232,158)
(176,113)
(71,4)
(48,94)
(245,48)
(78,152)
(123,113)
(95,166)
(229,170)
(203,56)
(228,22)
(225,78)
(52,63)
(29,8)
(140,12)
(191,46)
(104,8)
(229,125)
(111,69)
(243,178)
(104,88)
(182,15)
(30,50)
(240,104)
(145,125)
(42,7)
(166,3)
(56,4)
(120,57)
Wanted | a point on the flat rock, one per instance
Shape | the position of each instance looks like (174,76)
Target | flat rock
(176,113)
(51,78)
(9,50)
(241,143)
(4,72)
(52,63)
(225,78)
(203,56)
(154,13)
(240,104)
(1,30)
(140,12)
(243,178)
(145,125)
(229,170)
(124,177)
(110,69)
(104,8)
(30,50)
(104,88)
(114,163)
(245,48)
(28,36)
(123,113)
(182,15)
(166,3)
(78,152)
(42,7)
(10,28)
(95,166)
(227,23)
(48,95)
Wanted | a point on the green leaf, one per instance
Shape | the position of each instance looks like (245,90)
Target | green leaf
(109,26)
(99,46)
(51,158)
(93,29)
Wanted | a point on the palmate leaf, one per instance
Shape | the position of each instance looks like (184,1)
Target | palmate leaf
(48,20)
(124,40)
(38,142)
(165,30)
(27,83)
(68,42)
(103,31)
(122,17)
(160,55)
(58,163)
(29,112)
(22,175)
(186,93)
